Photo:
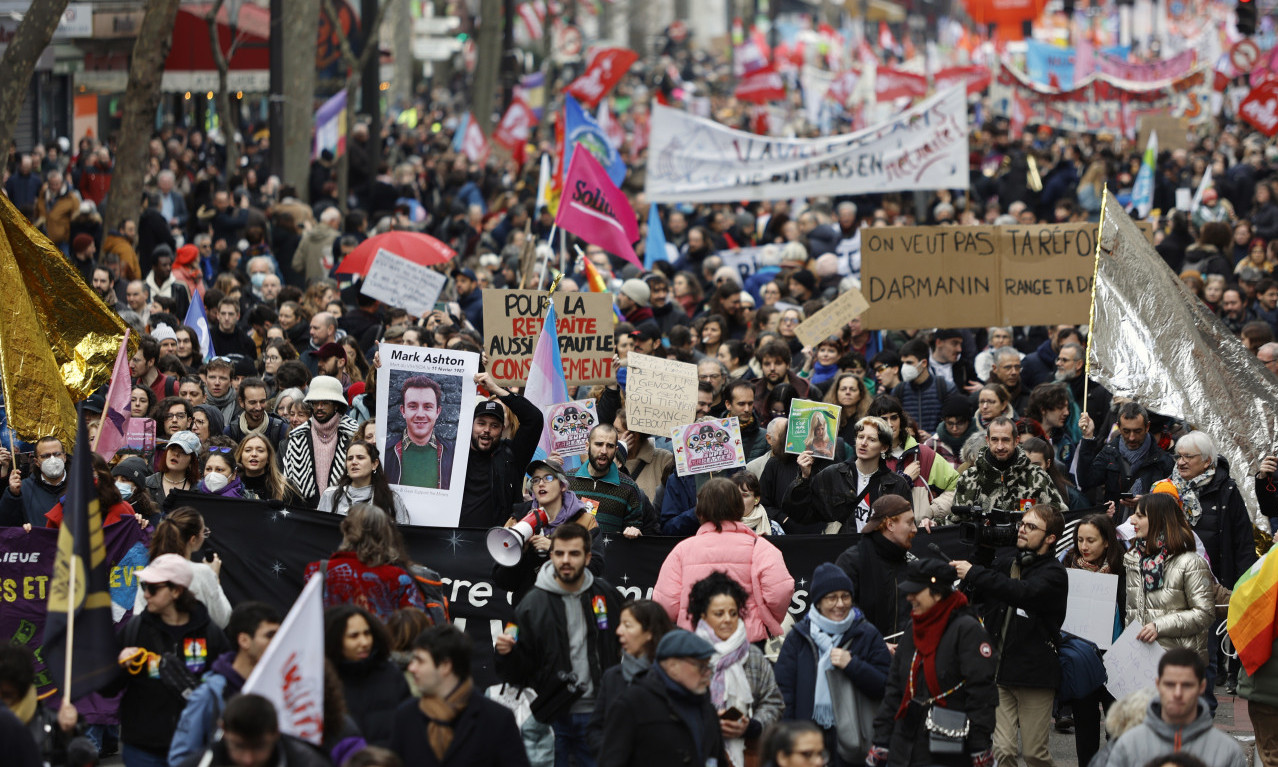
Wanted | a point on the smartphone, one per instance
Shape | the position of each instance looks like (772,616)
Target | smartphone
(732,714)
(23,462)
(1126,497)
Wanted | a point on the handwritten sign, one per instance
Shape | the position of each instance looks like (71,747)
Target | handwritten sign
(512,323)
(660,394)
(570,424)
(398,282)
(708,445)
(1131,664)
(1090,606)
(812,426)
(831,320)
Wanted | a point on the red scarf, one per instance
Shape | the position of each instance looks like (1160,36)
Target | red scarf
(928,630)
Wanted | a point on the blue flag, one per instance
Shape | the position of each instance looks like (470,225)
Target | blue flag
(581,128)
(654,248)
(197,319)
(459,135)
(80,570)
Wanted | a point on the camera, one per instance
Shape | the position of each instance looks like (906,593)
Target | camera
(990,528)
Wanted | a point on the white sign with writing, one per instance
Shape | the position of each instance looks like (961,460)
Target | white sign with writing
(1090,606)
(398,282)
(1131,664)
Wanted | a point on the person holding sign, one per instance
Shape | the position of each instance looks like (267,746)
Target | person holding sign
(841,495)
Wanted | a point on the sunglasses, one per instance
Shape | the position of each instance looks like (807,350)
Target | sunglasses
(154,588)
(216,449)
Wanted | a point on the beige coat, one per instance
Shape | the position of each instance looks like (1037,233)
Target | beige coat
(1182,610)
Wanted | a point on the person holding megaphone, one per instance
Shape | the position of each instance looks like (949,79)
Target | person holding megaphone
(522,546)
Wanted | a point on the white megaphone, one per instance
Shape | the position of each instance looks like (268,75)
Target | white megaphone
(506,544)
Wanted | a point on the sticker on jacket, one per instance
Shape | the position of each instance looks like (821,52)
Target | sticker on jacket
(196,653)
(600,606)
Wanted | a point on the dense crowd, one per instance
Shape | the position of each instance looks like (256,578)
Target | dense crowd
(899,659)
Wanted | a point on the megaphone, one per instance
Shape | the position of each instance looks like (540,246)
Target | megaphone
(506,544)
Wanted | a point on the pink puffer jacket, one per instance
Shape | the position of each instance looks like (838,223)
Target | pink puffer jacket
(747,558)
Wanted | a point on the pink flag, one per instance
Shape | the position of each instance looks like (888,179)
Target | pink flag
(595,210)
(116,415)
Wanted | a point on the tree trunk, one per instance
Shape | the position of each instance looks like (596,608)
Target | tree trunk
(141,99)
(343,162)
(29,41)
(402,86)
(225,119)
(487,63)
(301,29)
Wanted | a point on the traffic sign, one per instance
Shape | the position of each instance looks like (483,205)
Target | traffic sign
(567,42)
(1244,55)
(677,31)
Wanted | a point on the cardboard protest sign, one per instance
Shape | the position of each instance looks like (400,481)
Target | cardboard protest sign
(396,281)
(708,445)
(831,320)
(660,394)
(812,426)
(513,320)
(977,276)
(570,424)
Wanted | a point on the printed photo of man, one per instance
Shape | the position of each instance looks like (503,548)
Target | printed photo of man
(419,457)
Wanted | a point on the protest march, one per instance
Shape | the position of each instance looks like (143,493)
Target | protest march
(882,384)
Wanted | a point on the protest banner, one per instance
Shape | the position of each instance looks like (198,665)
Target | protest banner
(660,394)
(396,281)
(1171,131)
(1048,64)
(1158,70)
(831,320)
(698,160)
(708,445)
(812,426)
(570,424)
(1090,606)
(425,405)
(584,321)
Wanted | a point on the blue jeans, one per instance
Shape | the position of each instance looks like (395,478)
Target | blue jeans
(571,742)
(137,757)
(101,734)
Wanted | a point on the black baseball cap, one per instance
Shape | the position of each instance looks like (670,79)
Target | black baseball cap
(925,573)
(491,408)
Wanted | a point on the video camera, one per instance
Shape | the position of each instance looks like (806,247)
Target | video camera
(991,528)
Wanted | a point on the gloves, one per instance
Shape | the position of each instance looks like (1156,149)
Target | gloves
(983,759)
(878,757)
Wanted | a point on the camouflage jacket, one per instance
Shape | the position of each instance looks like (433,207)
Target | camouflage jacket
(985,485)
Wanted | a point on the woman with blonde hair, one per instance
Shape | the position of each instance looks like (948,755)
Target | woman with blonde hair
(259,472)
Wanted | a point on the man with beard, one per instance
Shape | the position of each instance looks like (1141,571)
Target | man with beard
(162,282)
(739,400)
(104,286)
(775,358)
(1233,310)
(1003,476)
(1069,370)
(494,472)
(877,562)
(567,624)
(315,451)
(254,417)
(332,362)
(420,457)
(617,500)
(1128,463)
(1006,370)
(142,365)
(665,312)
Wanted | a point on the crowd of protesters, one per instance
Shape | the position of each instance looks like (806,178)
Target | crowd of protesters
(898,658)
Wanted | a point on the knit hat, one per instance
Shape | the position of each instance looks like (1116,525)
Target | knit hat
(827,579)
(956,406)
(806,279)
(637,291)
(133,469)
(81,242)
(187,254)
(163,332)
(1166,486)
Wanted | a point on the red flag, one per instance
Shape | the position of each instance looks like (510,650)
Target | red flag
(515,129)
(886,41)
(843,86)
(474,145)
(1260,108)
(596,211)
(605,71)
(891,84)
(761,86)
(976,78)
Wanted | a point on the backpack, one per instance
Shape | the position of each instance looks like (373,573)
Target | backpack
(430,585)
(1082,669)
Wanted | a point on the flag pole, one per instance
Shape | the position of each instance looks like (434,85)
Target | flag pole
(71,568)
(1091,309)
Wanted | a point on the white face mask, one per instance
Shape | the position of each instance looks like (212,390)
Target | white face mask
(909,372)
(126,489)
(215,482)
(52,468)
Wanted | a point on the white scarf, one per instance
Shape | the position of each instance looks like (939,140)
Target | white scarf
(757,520)
(736,686)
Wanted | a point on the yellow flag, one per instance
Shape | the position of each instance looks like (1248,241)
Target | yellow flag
(58,340)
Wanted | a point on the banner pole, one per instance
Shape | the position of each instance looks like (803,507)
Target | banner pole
(1091,309)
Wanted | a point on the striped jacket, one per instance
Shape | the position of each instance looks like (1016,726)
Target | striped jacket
(615,499)
(299,459)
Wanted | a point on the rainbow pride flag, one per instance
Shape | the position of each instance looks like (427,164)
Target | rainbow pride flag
(1252,612)
(595,281)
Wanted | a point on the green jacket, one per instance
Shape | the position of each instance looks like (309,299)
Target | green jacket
(1262,687)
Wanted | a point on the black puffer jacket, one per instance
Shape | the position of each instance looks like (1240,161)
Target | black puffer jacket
(1027,652)
(374,688)
(831,496)
(1104,468)
(963,655)
(1225,527)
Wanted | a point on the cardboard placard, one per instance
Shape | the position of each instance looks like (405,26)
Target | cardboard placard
(708,445)
(512,323)
(831,320)
(1171,131)
(398,282)
(812,426)
(570,424)
(660,394)
(978,276)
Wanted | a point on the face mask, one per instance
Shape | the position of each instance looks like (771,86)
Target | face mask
(215,482)
(909,372)
(126,489)
(52,468)
(257,279)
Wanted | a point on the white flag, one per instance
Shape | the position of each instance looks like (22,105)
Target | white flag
(1203,186)
(291,671)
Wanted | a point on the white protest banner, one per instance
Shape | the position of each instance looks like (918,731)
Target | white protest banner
(425,406)
(1090,606)
(398,282)
(744,260)
(1131,664)
(708,445)
(696,160)
(291,671)
(570,424)
(660,394)
(831,320)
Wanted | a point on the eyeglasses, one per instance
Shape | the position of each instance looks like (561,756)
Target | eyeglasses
(703,667)
(1188,456)
(1030,526)
(154,588)
(838,597)
(543,479)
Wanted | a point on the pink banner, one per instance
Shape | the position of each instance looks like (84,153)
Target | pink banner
(595,210)
(1147,72)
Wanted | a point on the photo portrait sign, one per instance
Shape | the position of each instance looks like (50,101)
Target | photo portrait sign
(425,406)
(812,426)
(708,445)
(570,424)
(512,323)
